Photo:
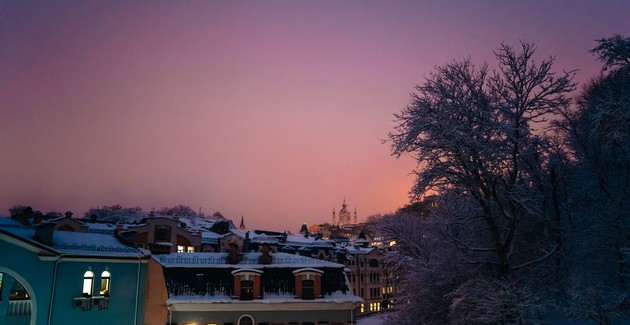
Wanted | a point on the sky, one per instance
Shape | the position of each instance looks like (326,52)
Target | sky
(270,110)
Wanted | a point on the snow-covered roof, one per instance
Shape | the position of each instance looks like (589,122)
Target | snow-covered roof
(210,235)
(77,243)
(358,249)
(103,228)
(92,244)
(264,239)
(299,239)
(8,222)
(251,260)
(241,232)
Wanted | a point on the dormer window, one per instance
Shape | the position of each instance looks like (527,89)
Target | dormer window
(308,283)
(162,233)
(105,283)
(308,289)
(247,288)
(247,284)
(88,280)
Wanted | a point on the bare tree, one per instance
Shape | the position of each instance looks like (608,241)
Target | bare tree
(481,134)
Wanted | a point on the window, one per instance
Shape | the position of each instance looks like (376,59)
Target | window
(88,279)
(17,291)
(308,289)
(247,289)
(105,283)
(162,233)
(185,249)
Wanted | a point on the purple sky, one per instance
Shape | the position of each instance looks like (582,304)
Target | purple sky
(272,110)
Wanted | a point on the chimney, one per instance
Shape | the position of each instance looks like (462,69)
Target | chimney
(246,243)
(119,227)
(44,233)
(127,237)
(37,219)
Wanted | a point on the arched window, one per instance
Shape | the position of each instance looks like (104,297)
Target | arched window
(246,320)
(18,292)
(88,280)
(105,283)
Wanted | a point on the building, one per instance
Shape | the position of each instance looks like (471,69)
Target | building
(369,278)
(68,223)
(255,288)
(165,234)
(61,277)
(344,216)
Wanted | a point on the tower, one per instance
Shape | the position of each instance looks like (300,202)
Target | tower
(344,214)
(242,225)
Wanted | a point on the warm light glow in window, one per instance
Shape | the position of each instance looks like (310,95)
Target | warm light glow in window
(191,249)
(88,279)
(392,243)
(362,308)
(105,282)
(180,249)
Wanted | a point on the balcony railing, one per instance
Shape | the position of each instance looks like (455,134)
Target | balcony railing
(221,258)
(19,308)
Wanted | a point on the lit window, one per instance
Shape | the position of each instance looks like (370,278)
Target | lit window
(105,283)
(88,279)
(362,308)
(191,249)
(180,249)
(247,289)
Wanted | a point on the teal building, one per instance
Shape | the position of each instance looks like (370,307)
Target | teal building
(56,277)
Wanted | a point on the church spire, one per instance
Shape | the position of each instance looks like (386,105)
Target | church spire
(242,225)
